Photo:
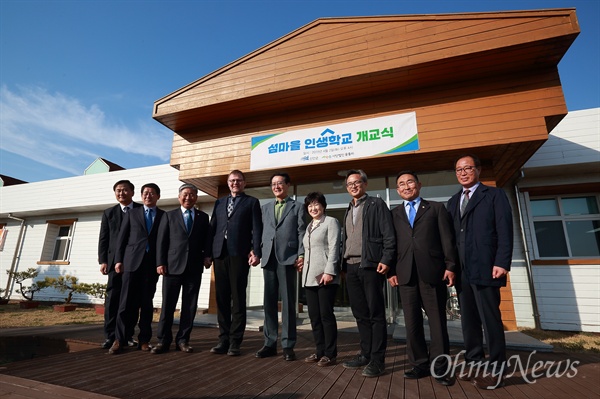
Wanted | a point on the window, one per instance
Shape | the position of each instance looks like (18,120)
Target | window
(57,246)
(566,227)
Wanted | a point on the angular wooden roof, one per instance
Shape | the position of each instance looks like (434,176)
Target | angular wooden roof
(486,79)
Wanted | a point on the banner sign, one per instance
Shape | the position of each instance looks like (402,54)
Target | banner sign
(384,135)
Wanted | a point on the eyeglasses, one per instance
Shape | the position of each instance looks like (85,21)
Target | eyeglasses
(466,169)
(409,183)
(355,183)
(278,184)
(235,180)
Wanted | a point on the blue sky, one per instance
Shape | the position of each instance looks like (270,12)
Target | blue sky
(78,78)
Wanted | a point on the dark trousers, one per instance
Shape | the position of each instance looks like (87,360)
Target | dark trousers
(480,308)
(137,297)
(231,280)
(433,299)
(365,291)
(280,280)
(320,301)
(111,304)
(188,284)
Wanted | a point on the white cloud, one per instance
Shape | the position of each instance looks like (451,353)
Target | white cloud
(61,132)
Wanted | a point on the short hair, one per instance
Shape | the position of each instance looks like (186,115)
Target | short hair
(407,172)
(151,185)
(237,172)
(475,158)
(315,196)
(285,176)
(188,185)
(125,182)
(363,175)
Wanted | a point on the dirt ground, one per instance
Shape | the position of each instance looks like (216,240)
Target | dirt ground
(12,316)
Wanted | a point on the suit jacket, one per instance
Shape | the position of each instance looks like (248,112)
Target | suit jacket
(429,244)
(484,235)
(244,227)
(134,238)
(109,234)
(322,252)
(378,241)
(284,238)
(176,249)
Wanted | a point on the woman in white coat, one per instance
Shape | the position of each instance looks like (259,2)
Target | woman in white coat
(321,277)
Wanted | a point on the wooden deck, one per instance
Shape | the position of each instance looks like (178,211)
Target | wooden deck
(92,373)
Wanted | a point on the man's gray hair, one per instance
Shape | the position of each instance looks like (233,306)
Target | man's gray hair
(188,185)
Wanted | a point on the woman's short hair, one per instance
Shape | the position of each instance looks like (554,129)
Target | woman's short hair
(315,196)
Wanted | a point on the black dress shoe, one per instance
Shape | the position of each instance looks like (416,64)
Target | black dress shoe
(221,348)
(415,373)
(184,347)
(445,381)
(107,344)
(289,355)
(373,369)
(234,350)
(159,348)
(266,351)
(132,343)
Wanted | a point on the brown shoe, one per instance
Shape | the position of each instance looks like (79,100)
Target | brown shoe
(326,361)
(312,358)
(144,346)
(464,377)
(115,348)
(489,382)
(184,347)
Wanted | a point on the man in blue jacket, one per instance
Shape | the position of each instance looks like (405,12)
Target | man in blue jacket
(368,252)
(484,236)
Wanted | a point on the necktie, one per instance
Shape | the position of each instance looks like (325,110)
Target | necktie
(411,213)
(463,206)
(278,209)
(125,209)
(148,220)
(230,207)
(188,220)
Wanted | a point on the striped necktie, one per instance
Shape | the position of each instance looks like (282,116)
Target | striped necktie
(465,202)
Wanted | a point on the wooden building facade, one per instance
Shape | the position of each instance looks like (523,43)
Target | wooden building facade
(486,83)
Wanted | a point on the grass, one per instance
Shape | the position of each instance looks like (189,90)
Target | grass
(567,341)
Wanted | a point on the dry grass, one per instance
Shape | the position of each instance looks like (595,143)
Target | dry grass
(567,341)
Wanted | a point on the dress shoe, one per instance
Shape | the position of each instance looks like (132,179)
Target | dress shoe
(107,344)
(489,382)
(464,377)
(357,363)
(115,348)
(373,369)
(289,354)
(326,361)
(184,347)
(221,348)
(445,381)
(159,348)
(132,343)
(415,373)
(144,346)
(312,358)
(266,351)
(234,350)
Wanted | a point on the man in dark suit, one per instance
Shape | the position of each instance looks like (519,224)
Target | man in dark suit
(107,243)
(482,219)
(368,251)
(136,260)
(283,252)
(236,227)
(426,262)
(183,249)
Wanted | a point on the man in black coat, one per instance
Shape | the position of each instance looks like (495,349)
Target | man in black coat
(182,254)
(107,244)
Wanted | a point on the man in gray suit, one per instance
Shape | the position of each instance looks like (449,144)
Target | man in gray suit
(283,253)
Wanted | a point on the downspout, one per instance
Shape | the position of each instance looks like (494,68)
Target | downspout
(16,254)
(534,304)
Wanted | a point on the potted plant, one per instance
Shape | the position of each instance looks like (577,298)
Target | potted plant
(68,284)
(97,290)
(27,291)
